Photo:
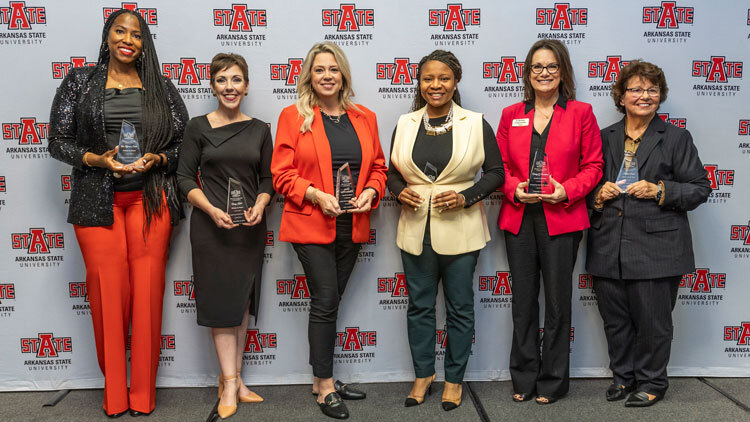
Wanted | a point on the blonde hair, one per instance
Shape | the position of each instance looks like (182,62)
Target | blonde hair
(308,99)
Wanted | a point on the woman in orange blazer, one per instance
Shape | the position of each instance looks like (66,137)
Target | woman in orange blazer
(543,230)
(315,138)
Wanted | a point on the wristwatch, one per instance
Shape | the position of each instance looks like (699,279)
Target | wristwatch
(658,192)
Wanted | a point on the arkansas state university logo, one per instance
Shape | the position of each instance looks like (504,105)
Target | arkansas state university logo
(46,345)
(61,69)
(259,348)
(351,344)
(184,292)
(667,22)
(37,245)
(7,293)
(148,14)
(80,297)
(499,287)
(714,75)
(740,234)
(296,293)
(394,292)
(606,70)
(719,178)
(18,16)
(700,288)
(396,78)
(586,286)
(286,73)
(562,21)
(441,340)
(504,78)
(739,336)
(240,18)
(26,132)
(744,130)
(188,71)
(349,22)
(674,121)
(453,24)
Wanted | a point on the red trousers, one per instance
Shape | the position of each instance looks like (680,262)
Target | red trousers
(125,282)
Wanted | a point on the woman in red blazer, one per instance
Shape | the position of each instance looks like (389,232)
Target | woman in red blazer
(543,230)
(315,140)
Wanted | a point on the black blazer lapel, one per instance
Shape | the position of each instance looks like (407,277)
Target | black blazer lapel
(649,140)
(616,146)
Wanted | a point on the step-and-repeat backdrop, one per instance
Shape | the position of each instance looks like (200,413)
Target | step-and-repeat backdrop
(45,322)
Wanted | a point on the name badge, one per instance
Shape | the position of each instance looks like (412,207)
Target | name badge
(520,122)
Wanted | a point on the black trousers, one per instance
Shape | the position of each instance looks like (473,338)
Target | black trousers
(530,251)
(637,318)
(327,268)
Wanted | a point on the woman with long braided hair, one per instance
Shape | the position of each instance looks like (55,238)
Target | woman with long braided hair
(122,208)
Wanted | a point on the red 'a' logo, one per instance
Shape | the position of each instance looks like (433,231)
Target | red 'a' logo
(719,177)
(353,339)
(717,69)
(184,288)
(608,70)
(499,284)
(19,16)
(77,290)
(508,70)
(454,17)
(256,341)
(46,345)
(744,128)
(37,241)
(741,233)
(287,72)
(148,14)
(7,291)
(703,281)
(401,71)
(348,18)
(674,121)
(188,71)
(739,333)
(61,69)
(562,17)
(396,286)
(28,131)
(239,18)
(295,287)
(668,15)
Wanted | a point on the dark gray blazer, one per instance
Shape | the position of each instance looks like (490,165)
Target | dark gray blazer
(636,238)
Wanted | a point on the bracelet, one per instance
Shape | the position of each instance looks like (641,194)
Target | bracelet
(85,161)
(162,159)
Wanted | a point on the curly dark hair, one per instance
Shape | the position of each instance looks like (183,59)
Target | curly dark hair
(450,60)
(567,78)
(157,116)
(634,69)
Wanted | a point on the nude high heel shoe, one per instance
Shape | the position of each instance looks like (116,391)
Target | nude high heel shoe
(249,398)
(226,411)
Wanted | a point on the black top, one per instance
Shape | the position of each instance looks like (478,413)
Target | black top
(122,105)
(76,126)
(345,147)
(538,142)
(438,150)
(240,150)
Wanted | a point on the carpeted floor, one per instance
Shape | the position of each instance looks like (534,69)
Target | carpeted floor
(688,399)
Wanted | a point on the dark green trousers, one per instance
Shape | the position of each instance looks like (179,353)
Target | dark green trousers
(423,273)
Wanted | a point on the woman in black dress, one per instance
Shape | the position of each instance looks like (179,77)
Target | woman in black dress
(227,257)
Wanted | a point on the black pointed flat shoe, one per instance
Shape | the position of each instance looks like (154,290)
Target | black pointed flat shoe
(641,399)
(347,392)
(618,391)
(334,407)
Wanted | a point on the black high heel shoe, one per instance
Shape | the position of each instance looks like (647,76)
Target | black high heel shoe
(416,400)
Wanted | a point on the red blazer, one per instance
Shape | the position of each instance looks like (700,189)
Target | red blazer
(574,151)
(304,159)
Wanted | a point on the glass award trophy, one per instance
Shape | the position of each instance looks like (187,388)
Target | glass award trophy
(430,171)
(129,150)
(344,187)
(539,175)
(628,171)
(236,204)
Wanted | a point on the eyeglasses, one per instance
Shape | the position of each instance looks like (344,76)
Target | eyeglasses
(552,68)
(637,92)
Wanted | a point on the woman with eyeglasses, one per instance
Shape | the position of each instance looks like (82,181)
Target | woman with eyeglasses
(551,149)
(639,244)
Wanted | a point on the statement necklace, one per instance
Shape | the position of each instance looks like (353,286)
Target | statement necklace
(336,119)
(438,130)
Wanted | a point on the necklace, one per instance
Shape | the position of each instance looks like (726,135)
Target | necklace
(546,116)
(438,130)
(334,119)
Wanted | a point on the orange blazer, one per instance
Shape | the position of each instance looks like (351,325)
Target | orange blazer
(304,159)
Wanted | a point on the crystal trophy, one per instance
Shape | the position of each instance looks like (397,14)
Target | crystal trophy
(628,171)
(430,171)
(539,176)
(344,187)
(129,150)
(236,204)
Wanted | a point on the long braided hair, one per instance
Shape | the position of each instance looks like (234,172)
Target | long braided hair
(157,116)
(450,60)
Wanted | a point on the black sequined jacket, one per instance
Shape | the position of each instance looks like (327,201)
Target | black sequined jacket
(77,126)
